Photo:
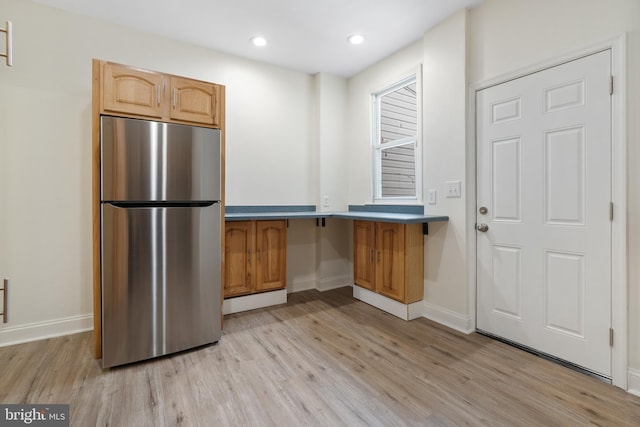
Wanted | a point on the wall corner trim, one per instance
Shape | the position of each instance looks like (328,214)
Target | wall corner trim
(451,319)
(633,381)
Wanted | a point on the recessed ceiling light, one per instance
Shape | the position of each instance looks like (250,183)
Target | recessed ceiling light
(355,38)
(258,41)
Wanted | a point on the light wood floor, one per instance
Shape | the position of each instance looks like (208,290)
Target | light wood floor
(322,359)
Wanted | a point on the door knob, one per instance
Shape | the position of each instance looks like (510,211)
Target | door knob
(482,228)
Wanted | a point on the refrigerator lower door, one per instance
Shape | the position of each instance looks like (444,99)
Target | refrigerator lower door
(161,279)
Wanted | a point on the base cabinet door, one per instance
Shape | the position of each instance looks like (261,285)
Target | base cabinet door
(389,264)
(271,247)
(389,259)
(364,254)
(239,252)
(255,256)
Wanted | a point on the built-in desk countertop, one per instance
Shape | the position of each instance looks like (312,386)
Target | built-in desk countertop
(401,214)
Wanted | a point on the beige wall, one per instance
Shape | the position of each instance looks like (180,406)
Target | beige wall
(45,144)
(445,96)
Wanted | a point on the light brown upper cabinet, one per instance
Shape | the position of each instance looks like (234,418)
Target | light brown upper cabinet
(132,91)
(194,101)
(389,259)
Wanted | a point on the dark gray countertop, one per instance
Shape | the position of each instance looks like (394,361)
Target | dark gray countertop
(371,213)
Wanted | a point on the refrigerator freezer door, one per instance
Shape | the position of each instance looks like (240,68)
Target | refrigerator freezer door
(144,161)
(161,279)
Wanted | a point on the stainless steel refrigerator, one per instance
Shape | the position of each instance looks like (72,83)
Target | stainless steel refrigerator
(160,237)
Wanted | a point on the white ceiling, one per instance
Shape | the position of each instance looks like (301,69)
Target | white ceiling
(305,35)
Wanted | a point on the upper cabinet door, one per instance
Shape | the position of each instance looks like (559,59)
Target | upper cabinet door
(194,101)
(132,91)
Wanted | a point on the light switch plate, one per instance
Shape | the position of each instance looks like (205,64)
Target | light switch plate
(453,189)
(432,197)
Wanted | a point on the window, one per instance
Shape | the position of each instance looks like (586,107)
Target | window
(395,141)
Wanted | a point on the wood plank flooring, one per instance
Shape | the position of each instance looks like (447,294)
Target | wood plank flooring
(322,359)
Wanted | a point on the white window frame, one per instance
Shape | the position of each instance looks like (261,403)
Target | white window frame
(377,147)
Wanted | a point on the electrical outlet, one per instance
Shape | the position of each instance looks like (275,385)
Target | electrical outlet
(432,197)
(325,201)
(453,189)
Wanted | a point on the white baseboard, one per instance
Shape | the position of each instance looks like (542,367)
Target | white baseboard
(252,302)
(448,318)
(334,283)
(43,330)
(398,309)
(633,381)
(301,286)
(321,285)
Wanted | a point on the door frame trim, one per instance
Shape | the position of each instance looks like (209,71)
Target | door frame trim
(619,283)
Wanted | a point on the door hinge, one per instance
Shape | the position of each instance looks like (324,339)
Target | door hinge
(610,211)
(611,337)
(610,85)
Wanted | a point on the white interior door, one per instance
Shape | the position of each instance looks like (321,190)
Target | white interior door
(544,194)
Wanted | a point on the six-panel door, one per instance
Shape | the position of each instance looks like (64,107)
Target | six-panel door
(544,193)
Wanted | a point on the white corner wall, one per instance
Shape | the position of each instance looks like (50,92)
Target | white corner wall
(333,267)
(445,96)
(331,124)
(45,151)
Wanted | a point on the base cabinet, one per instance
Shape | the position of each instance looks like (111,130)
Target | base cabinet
(389,259)
(255,256)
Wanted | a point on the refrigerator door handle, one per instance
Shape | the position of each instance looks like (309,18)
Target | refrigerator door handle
(127,205)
